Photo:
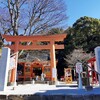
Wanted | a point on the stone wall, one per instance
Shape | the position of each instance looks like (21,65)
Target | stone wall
(51,97)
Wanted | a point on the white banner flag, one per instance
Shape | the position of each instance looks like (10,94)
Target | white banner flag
(12,63)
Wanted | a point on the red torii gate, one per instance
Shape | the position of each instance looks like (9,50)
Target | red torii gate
(51,39)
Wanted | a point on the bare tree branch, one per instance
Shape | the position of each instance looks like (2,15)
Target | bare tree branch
(77,55)
(31,16)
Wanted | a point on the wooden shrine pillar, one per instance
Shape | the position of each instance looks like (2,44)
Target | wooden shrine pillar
(53,61)
(14,71)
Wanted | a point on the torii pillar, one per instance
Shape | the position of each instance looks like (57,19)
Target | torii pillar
(14,71)
(53,61)
(50,39)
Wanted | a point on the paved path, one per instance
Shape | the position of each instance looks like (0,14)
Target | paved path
(46,89)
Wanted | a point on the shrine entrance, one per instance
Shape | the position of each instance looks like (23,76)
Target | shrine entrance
(37,42)
(37,71)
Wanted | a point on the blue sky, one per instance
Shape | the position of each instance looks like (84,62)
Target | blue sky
(80,8)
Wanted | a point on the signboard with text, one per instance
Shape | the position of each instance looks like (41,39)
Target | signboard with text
(79,67)
(68,75)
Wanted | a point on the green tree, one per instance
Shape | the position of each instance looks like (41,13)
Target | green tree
(87,33)
(69,41)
